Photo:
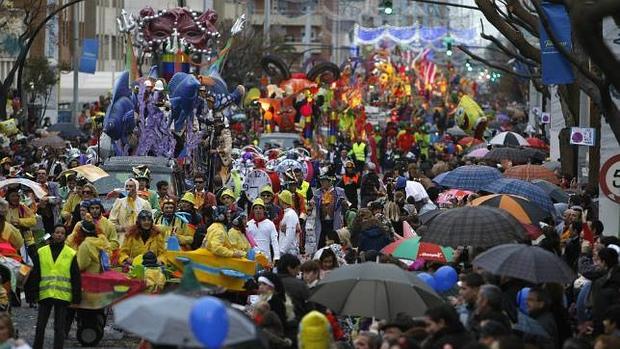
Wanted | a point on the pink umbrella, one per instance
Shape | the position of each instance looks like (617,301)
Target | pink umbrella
(477,153)
(447,196)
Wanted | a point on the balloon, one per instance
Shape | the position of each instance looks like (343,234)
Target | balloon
(428,279)
(306,110)
(209,322)
(446,277)
(268,115)
(522,299)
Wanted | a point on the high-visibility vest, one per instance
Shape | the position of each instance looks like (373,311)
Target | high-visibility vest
(236,177)
(55,275)
(303,189)
(359,151)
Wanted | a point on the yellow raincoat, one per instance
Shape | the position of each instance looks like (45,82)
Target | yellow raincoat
(134,246)
(88,254)
(73,200)
(184,233)
(223,243)
(27,220)
(12,235)
(106,228)
(125,211)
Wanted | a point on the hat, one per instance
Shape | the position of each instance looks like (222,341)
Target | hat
(258,202)
(325,177)
(314,331)
(145,214)
(189,197)
(401,183)
(237,218)
(6,160)
(286,197)
(149,259)
(266,188)
(228,192)
(219,213)
(88,227)
(95,202)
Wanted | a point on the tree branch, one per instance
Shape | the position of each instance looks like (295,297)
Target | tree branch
(492,65)
(588,17)
(515,7)
(514,36)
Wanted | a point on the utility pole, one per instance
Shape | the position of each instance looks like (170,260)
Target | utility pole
(307,31)
(76,65)
(267,24)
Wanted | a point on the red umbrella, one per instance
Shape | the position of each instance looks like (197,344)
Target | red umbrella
(467,141)
(537,143)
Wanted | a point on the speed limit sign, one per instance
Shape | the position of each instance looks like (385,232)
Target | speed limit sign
(609,178)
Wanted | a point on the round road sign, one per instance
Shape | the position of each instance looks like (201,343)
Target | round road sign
(609,178)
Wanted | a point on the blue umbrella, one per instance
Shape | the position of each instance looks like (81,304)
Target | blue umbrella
(438,178)
(471,177)
(522,188)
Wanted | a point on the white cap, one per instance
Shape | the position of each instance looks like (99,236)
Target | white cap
(159,85)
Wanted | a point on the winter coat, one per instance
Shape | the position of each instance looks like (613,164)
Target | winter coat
(605,293)
(371,235)
(444,338)
(89,253)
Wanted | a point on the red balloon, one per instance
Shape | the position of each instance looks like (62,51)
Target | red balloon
(306,110)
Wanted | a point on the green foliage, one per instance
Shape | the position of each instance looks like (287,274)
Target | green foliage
(39,76)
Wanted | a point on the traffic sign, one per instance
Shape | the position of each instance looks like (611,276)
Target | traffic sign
(609,178)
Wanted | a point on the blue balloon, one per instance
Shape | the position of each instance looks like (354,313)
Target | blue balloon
(522,299)
(428,279)
(209,322)
(446,277)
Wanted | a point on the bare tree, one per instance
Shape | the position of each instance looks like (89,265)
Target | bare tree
(517,20)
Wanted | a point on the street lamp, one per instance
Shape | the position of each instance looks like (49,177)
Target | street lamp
(387,7)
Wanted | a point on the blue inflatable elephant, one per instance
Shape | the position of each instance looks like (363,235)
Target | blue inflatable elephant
(119,120)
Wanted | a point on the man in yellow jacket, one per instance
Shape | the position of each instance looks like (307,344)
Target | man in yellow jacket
(90,250)
(56,276)
(223,243)
(8,233)
(20,216)
(170,224)
(142,237)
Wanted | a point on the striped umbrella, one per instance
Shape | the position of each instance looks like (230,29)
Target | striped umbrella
(413,248)
(508,138)
(519,207)
(477,153)
(521,188)
(470,177)
(478,226)
(530,172)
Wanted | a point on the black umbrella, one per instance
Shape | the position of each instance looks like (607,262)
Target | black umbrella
(525,262)
(428,216)
(514,155)
(478,226)
(66,130)
(535,156)
(375,290)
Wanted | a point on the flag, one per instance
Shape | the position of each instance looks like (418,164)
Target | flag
(556,69)
(408,231)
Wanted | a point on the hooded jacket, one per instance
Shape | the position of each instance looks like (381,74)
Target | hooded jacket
(89,252)
(134,245)
(370,235)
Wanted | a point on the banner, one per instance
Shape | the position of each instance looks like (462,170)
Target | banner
(88,61)
(556,69)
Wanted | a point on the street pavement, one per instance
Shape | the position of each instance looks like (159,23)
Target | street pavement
(25,321)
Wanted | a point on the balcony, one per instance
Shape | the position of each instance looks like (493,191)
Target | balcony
(278,18)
